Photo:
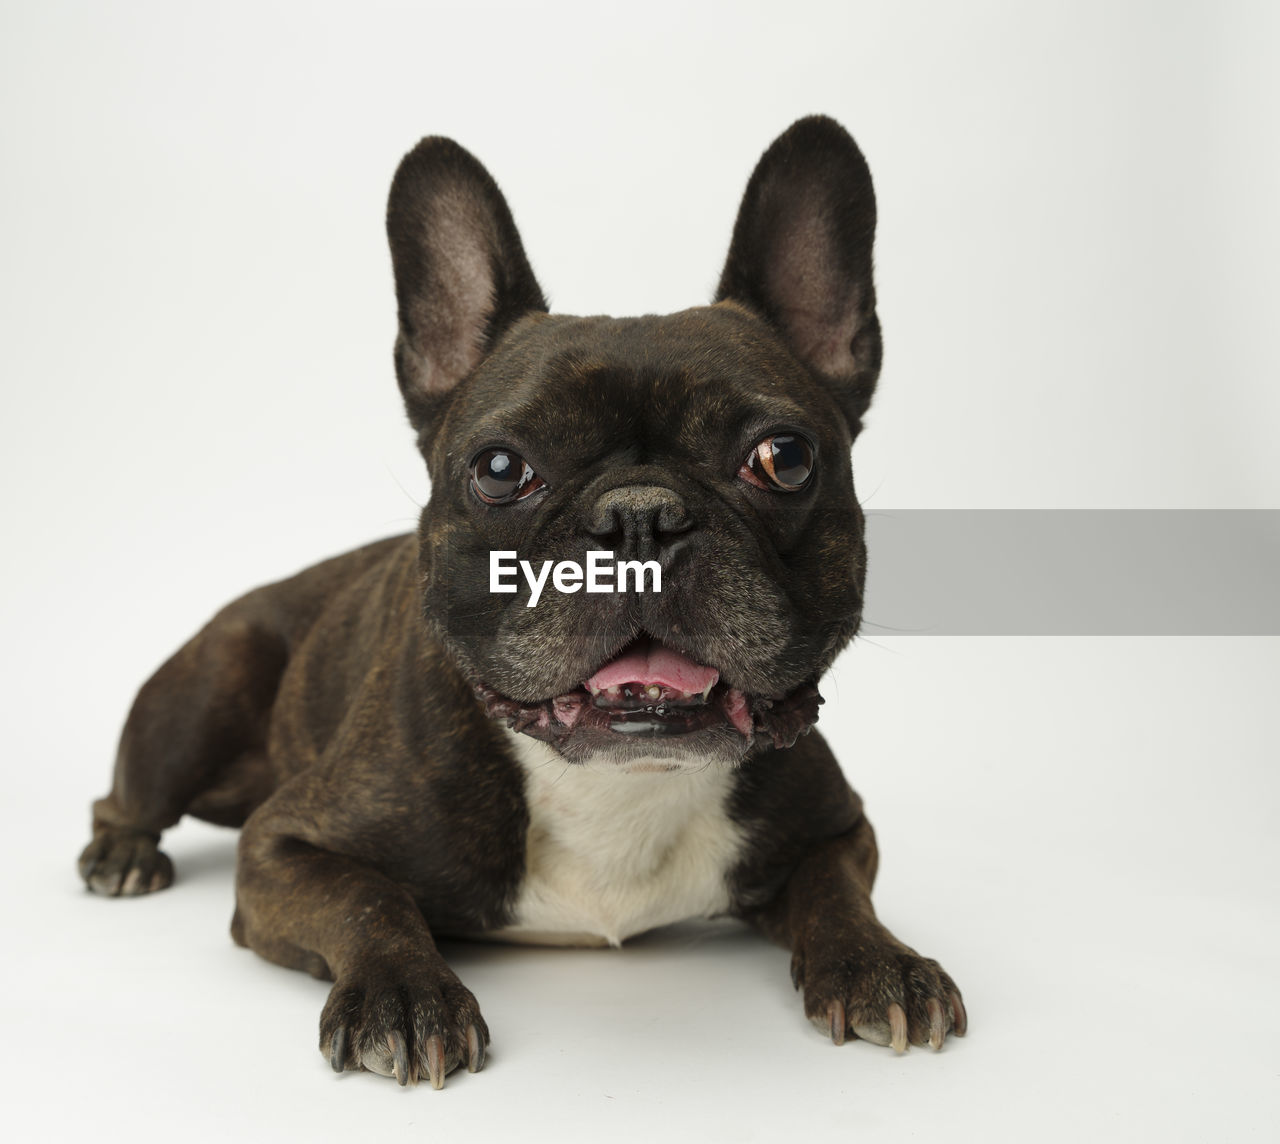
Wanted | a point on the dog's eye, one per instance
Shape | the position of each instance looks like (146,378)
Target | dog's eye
(784,461)
(500,476)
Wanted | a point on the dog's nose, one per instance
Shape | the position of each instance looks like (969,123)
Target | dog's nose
(642,521)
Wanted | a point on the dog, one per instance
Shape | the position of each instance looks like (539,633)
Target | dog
(413,750)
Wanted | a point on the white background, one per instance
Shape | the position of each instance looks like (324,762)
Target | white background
(1078,267)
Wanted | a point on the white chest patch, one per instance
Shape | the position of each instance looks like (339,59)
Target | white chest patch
(611,854)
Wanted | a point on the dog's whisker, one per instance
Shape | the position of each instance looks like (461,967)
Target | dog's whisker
(408,495)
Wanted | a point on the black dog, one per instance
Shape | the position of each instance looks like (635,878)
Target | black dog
(380,723)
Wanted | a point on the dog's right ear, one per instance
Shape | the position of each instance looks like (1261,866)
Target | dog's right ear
(462,277)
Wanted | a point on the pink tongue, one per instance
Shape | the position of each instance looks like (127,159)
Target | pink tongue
(653,663)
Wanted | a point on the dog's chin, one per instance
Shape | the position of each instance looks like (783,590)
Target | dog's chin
(632,752)
(651,707)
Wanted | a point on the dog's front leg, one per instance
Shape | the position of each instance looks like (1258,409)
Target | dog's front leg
(396,1007)
(857,977)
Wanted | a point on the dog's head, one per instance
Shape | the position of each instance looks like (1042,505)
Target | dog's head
(711,445)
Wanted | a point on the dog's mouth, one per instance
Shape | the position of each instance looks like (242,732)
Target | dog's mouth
(650,689)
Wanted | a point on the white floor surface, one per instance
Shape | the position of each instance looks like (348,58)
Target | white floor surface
(1083,831)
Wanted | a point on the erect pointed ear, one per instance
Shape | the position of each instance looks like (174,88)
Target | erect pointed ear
(462,277)
(801,257)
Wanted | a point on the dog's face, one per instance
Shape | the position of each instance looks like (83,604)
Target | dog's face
(712,444)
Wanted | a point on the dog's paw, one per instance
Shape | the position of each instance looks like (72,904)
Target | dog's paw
(405,1021)
(125,863)
(884,993)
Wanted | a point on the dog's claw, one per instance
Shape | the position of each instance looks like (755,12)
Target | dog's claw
(399,1057)
(959,1018)
(435,1060)
(876,985)
(898,1028)
(835,1021)
(124,864)
(475,1050)
(410,1021)
(937,1026)
(338,1050)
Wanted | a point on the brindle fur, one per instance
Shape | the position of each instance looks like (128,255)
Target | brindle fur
(332,715)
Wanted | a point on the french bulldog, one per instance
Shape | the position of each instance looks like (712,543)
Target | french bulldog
(412,754)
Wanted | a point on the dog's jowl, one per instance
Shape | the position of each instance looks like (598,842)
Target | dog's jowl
(386,729)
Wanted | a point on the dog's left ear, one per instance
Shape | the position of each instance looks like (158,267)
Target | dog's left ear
(462,277)
(801,257)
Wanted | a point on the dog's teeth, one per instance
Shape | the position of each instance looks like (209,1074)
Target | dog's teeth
(653,691)
(594,690)
(707,690)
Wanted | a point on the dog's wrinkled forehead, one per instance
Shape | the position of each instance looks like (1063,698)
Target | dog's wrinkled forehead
(672,383)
